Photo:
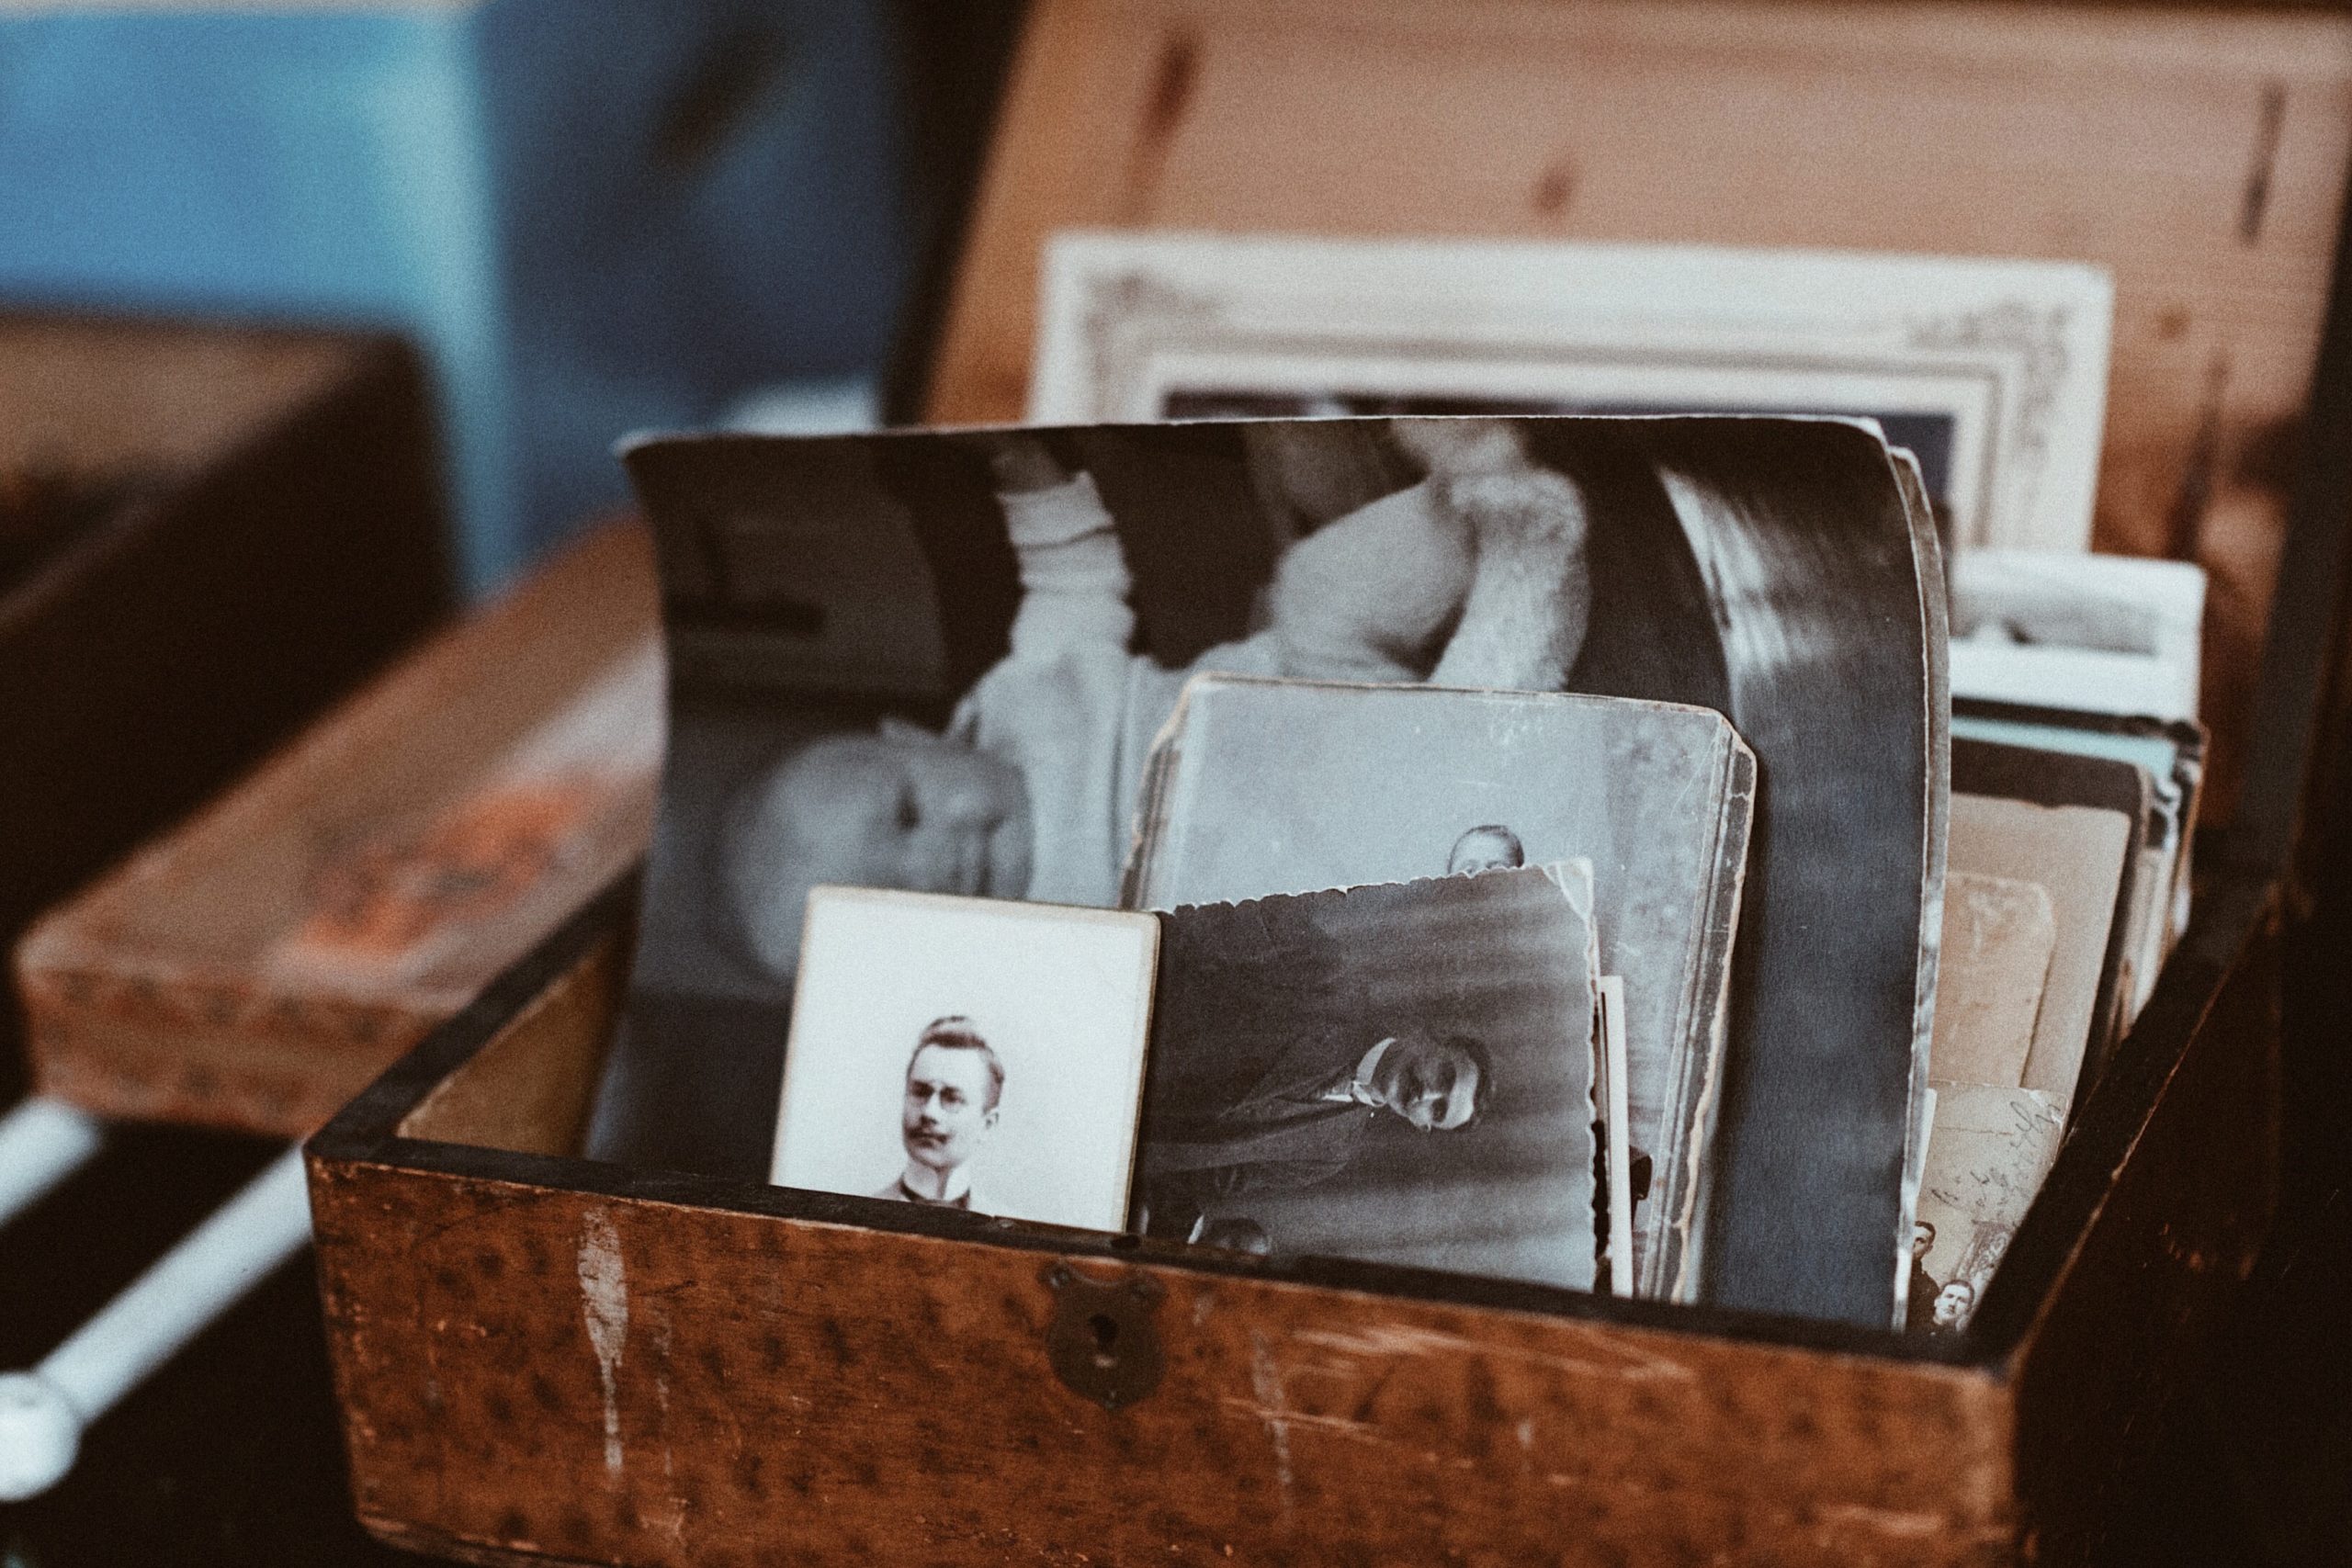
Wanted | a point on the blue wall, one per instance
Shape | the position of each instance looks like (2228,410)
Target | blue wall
(592,215)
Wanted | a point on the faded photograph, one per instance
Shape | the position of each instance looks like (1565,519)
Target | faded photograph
(950,1053)
(1993,372)
(1990,1149)
(1401,1073)
(936,659)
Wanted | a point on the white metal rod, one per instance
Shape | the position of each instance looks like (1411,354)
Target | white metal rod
(42,1412)
(42,1142)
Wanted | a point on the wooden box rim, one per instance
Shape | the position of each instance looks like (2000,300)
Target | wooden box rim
(2238,910)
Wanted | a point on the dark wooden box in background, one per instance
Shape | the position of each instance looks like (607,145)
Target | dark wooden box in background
(258,526)
(542,1356)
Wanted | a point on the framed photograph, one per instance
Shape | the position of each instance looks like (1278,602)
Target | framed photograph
(967,1054)
(1993,372)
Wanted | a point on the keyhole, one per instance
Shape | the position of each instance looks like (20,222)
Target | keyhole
(1106,1333)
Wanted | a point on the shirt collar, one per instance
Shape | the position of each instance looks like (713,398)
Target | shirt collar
(958,1194)
(1357,1088)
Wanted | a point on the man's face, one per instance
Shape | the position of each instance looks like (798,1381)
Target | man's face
(1431,1085)
(901,809)
(947,1115)
(1922,1236)
(1952,1303)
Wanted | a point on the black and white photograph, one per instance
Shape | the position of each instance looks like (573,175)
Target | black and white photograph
(1993,372)
(1401,1072)
(2108,634)
(1050,592)
(967,1054)
(1658,797)
(1991,1147)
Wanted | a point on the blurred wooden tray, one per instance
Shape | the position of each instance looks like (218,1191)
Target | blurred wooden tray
(256,966)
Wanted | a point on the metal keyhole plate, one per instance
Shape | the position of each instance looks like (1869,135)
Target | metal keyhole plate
(1101,1341)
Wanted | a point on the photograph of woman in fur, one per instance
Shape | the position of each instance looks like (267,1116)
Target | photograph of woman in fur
(1764,568)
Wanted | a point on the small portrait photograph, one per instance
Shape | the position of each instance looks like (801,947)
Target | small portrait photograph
(967,1053)
(1400,1073)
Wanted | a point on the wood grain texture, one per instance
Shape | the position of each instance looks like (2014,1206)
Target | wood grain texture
(116,397)
(547,1359)
(531,1088)
(771,1389)
(2200,155)
(256,966)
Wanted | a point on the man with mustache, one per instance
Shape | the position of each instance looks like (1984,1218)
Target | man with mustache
(1219,1126)
(954,1084)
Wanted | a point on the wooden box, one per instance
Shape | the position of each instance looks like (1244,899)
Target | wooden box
(538,1355)
(543,1356)
(254,524)
(255,966)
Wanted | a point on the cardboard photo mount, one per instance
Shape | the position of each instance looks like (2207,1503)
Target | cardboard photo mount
(958,1389)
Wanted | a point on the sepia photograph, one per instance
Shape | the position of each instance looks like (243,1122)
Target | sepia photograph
(1993,372)
(937,661)
(1989,1150)
(1401,1072)
(967,1054)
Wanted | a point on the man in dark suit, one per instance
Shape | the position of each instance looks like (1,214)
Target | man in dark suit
(1919,1310)
(1223,1121)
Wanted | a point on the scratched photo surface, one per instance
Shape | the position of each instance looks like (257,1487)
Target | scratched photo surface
(1399,1073)
(937,661)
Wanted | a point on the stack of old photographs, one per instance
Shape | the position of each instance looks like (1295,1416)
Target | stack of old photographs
(1487,718)
(1497,823)
(2074,676)
(2067,886)
(1657,799)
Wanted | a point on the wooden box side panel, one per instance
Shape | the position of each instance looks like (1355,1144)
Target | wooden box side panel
(2129,1324)
(2199,155)
(531,1087)
(528,1369)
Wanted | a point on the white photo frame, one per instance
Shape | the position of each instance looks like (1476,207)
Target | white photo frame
(1061,998)
(1997,368)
